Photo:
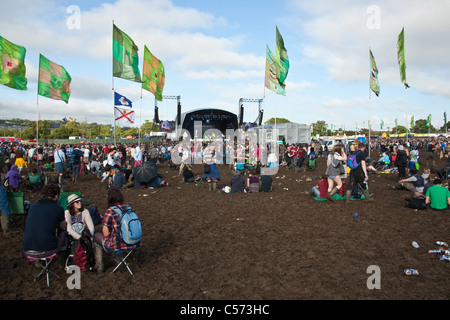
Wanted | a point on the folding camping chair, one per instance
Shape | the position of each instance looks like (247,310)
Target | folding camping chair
(35,181)
(62,199)
(44,263)
(122,258)
(17,207)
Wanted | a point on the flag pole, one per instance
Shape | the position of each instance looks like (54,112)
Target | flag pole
(140,120)
(114,112)
(37,119)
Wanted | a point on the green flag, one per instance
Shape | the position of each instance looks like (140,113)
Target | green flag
(282,57)
(396,123)
(125,57)
(382,124)
(153,74)
(12,65)
(374,84)
(429,121)
(54,80)
(445,118)
(412,122)
(401,56)
(273,73)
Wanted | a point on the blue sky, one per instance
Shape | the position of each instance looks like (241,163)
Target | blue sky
(214,54)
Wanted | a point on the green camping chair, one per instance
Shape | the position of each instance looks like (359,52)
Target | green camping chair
(17,207)
(62,199)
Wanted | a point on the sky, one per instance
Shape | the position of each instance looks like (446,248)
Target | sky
(214,54)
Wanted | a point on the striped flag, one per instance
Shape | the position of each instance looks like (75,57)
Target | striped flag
(12,66)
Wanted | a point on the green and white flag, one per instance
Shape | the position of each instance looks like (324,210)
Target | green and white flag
(374,83)
(272,74)
(153,74)
(125,56)
(282,57)
(12,65)
(54,81)
(401,56)
(429,121)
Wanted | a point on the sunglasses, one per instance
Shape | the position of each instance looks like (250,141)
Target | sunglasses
(78,201)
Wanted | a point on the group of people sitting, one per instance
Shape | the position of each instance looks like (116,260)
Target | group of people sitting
(50,229)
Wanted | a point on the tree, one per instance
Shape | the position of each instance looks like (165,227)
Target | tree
(320,127)
(420,126)
(279,120)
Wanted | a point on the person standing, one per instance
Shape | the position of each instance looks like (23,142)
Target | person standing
(401,162)
(358,175)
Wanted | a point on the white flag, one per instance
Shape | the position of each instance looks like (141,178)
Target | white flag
(124,115)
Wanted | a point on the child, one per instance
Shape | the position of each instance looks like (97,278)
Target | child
(321,188)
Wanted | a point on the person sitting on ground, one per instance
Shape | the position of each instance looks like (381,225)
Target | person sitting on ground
(265,183)
(44,234)
(252,182)
(438,196)
(416,182)
(109,239)
(188,175)
(321,188)
(237,183)
(119,179)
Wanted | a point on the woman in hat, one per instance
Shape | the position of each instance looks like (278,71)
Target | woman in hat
(77,217)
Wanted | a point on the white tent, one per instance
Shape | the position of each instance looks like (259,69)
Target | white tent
(290,132)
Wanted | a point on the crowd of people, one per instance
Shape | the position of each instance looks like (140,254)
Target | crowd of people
(347,171)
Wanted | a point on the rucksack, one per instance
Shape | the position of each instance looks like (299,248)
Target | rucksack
(130,226)
(351,161)
(83,253)
(95,215)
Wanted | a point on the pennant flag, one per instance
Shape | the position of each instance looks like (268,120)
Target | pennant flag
(429,121)
(282,57)
(412,121)
(53,81)
(124,115)
(273,73)
(445,118)
(122,101)
(382,124)
(153,74)
(12,65)
(374,84)
(125,57)
(401,56)
(396,123)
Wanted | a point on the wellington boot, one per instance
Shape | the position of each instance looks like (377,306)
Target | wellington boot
(98,253)
(331,193)
(348,195)
(367,196)
(5,224)
(214,186)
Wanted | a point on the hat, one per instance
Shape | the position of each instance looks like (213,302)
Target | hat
(400,147)
(236,173)
(72,198)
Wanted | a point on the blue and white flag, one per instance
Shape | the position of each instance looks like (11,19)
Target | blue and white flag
(122,101)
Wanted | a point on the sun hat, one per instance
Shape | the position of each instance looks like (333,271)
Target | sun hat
(72,198)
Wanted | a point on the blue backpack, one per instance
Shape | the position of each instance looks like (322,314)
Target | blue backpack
(130,226)
(351,161)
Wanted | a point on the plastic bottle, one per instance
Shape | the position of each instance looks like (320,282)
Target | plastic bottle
(411,272)
(442,243)
(436,251)
(444,258)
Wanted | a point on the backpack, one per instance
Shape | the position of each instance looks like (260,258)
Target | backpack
(130,226)
(83,253)
(95,215)
(351,161)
